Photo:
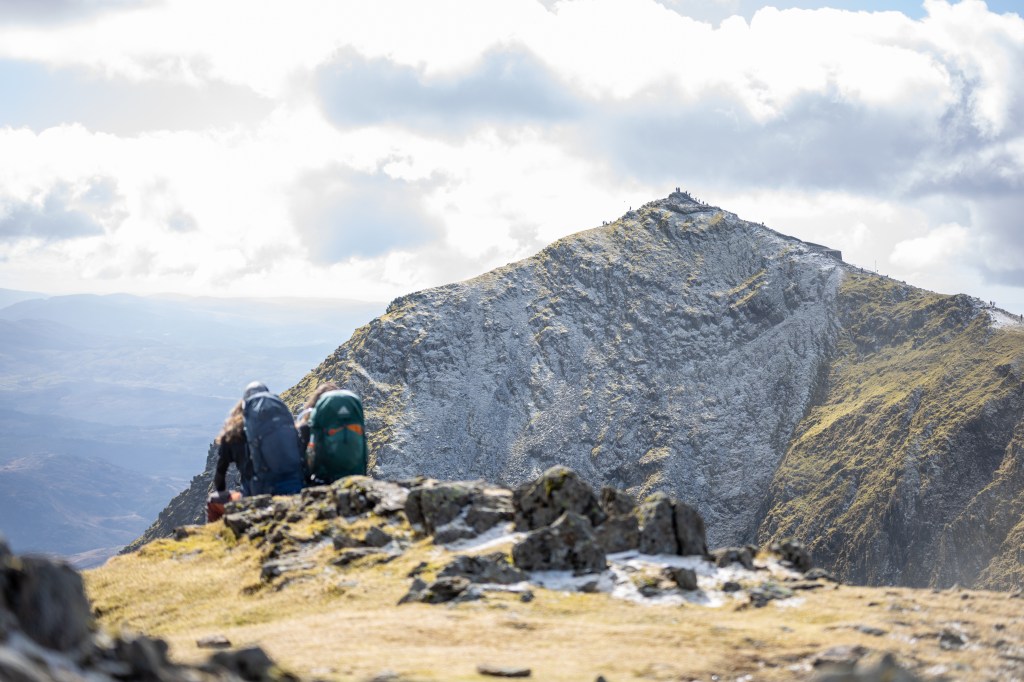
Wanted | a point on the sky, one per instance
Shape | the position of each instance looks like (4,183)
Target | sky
(364,150)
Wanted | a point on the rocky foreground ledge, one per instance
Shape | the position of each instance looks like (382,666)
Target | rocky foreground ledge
(551,580)
(552,532)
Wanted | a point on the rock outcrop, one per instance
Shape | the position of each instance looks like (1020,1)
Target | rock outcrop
(47,634)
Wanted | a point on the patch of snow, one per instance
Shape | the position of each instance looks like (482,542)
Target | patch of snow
(1002,319)
(495,537)
(616,581)
(566,581)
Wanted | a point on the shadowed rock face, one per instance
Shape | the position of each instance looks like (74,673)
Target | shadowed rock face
(674,350)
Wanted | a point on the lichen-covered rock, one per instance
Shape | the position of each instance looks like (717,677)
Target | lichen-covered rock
(457,509)
(558,490)
(657,525)
(357,495)
(568,544)
(433,503)
(489,568)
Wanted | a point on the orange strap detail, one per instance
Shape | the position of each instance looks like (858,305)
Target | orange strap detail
(355,428)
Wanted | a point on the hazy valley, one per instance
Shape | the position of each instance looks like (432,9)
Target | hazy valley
(118,398)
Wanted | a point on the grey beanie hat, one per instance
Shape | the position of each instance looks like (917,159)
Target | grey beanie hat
(253,388)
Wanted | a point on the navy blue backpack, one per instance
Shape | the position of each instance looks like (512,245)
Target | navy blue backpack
(274,447)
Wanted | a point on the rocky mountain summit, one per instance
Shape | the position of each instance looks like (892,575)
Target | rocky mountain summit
(778,390)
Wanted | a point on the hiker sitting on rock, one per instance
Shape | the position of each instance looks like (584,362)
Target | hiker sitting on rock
(231,448)
(302,418)
(332,432)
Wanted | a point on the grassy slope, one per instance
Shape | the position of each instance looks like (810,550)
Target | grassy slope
(344,624)
(920,414)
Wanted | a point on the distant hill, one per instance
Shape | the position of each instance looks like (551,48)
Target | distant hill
(62,504)
(9,296)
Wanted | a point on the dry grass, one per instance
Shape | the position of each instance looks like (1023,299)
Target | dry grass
(344,624)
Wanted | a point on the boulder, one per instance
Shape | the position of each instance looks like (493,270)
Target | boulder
(558,490)
(357,495)
(615,502)
(618,534)
(795,554)
(684,578)
(620,531)
(251,664)
(442,590)
(48,600)
(567,544)
(458,509)
(743,556)
(690,532)
(657,525)
(490,568)
(762,594)
(145,656)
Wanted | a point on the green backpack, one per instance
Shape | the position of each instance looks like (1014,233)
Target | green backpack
(337,437)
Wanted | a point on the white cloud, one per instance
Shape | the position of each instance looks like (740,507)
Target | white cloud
(483,138)
(936,249)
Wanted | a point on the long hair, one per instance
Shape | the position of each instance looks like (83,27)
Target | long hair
(234,425)
(307,408)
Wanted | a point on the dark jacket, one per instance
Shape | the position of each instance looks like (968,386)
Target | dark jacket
(236,451)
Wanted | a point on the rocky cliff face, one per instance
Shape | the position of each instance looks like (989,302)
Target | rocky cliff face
(780,391)
(674,350)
